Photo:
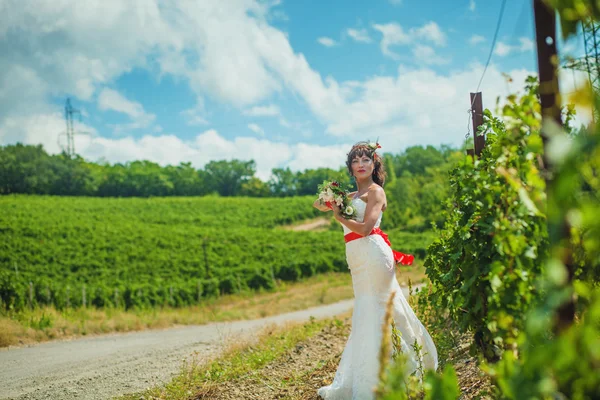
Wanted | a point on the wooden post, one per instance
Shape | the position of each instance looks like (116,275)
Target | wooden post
(559,229)
(477,116)
(204,243)
(237,278)
(273,276)
(30,294)
(545,35)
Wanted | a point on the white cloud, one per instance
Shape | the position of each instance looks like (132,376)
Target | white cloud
(359,35)
(327,42)
(227,50)
(417,106)
(272,110)
(205,147)
(414,107)
(263,111)
(194,117)
(569,48)
(432,32)
(395,35)
(310,156)
(59,48)
(502,49)
(428,56)
(110,99)
(476,39)
(47,129)
(256,129)
(163,149)
(525,44)
(472,5)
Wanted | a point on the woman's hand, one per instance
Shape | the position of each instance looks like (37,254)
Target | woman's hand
(321,207)
(337,211)
(375,203)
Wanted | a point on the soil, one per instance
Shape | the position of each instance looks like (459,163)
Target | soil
(313,225)
(297,375)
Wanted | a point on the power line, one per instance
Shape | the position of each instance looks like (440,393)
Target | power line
(518,30)
(487,63)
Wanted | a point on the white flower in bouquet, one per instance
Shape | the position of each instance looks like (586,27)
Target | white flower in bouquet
(325,197)
(331,192)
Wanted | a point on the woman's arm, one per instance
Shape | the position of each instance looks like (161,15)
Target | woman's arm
(322,207)
(375,203)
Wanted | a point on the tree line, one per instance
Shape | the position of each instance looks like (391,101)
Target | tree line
(29,169)
(417,179)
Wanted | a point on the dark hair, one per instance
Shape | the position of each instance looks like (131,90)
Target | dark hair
(365,149)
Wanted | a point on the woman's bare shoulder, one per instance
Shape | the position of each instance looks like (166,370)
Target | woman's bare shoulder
(376,190)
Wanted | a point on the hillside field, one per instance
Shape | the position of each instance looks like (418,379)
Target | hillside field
(164,251)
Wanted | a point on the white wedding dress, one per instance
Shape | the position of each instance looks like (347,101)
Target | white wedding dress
(372,267)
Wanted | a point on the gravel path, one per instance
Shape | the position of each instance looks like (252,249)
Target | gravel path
(106,366)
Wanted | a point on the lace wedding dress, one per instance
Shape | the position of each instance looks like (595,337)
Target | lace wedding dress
(372,267)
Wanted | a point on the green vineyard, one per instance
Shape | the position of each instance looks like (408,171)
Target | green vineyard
(105,252)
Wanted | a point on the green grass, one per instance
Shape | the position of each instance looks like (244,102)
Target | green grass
(248,367)
(47,323)
(135,252)
(69,252)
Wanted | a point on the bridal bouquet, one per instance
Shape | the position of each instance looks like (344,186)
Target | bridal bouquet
(332,192)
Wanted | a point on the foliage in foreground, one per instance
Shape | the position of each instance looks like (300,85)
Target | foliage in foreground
(560,347)
(484,264)
(550,342)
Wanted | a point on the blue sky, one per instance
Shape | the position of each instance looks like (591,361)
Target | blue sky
(286,83)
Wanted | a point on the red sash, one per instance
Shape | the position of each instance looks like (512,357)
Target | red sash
(399,258)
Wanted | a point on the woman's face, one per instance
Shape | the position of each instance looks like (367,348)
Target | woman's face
(362,167)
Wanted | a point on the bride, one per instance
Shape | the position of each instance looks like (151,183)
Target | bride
(372,265)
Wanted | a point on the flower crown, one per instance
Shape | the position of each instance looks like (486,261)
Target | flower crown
(374,147)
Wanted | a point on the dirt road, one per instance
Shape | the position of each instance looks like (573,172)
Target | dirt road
(106,366)
(316,224)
